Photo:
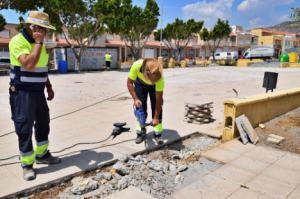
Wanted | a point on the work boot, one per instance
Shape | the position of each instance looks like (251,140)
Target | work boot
(48,159)
(28,173)
(141,136)
(158,138)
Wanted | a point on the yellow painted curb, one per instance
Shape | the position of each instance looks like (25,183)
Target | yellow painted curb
(259,109)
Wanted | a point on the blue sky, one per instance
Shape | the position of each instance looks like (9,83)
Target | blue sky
(248,13)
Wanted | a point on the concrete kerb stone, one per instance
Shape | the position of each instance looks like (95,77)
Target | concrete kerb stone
(52,183)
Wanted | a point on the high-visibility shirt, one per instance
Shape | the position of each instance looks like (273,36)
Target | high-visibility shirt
(22,78)
(107,57)
(136,72)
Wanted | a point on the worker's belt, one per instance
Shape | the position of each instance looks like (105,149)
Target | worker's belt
(32,80)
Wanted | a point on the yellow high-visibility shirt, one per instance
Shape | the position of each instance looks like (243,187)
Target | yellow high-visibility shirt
(135,72)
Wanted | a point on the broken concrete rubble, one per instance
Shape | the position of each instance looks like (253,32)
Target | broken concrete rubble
(158,173)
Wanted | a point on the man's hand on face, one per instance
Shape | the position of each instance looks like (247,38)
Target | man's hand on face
(38,33)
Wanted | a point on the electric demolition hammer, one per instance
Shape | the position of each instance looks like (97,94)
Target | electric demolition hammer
(141,117)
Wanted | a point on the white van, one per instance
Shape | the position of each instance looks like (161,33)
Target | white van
(225,56)
(259,53)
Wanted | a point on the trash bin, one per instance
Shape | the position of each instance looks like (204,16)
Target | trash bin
(270,81)
(62,66)
(284,57)
(293,57)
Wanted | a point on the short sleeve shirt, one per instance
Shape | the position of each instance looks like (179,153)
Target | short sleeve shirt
(135,72)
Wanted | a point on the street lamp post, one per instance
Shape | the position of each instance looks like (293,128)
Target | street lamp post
(161,28)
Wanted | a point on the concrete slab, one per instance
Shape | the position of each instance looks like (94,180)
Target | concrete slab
(270,187)
(129,193)
(220,155)
(295,193)
(210,186)
(264,154)
(247,194)
(251,165)
(234,174)
(289,161)
(228,151)
(283,174)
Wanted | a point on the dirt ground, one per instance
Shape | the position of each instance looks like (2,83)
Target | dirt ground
(287,126)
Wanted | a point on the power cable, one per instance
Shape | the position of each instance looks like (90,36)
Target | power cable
(64,149)
(76,110)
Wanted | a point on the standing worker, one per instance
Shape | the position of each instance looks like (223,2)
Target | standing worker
(107,57)
(28,79)
(146,78)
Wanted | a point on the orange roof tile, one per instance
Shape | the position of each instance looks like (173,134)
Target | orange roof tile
(115,43)
(4,40)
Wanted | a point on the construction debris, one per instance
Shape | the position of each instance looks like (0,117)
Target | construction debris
(198,114)
(246,130)
(275,139)
(158,173)
(262,126)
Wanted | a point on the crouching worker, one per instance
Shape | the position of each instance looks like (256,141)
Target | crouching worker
(146,78)
(28,79)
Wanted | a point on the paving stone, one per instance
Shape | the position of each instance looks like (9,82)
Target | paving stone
(210,186)
(250,164)
(290,161)
(294,194)
(265,154)
(220,155)
(246,129)
(235,174)
(237,146)
(283,174)
(247,194)
(273,140)
(270,187)
(276,136)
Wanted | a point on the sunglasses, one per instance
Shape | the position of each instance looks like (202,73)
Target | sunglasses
(38,27)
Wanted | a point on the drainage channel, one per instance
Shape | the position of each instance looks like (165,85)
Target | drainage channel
(158,172)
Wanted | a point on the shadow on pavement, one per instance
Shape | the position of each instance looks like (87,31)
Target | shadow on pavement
(84,159)
(168,135)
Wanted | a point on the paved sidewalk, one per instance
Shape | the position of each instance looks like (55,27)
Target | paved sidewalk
(249,172)
(74,91)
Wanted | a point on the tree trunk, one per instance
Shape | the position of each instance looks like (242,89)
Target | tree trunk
(214,59)
(178,54)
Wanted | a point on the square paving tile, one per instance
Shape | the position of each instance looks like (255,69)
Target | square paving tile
(270,187)
(235,174)
(265,154)
(247,194)
(250,164)
(295,194)
(289,161)
(220,155)
(210,186)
